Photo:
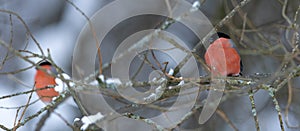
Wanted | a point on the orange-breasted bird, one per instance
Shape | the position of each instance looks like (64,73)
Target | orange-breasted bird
(44,79)
(222,58)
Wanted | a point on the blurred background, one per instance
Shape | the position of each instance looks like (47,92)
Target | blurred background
(264,32)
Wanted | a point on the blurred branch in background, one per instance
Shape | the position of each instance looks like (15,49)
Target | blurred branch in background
(274,46)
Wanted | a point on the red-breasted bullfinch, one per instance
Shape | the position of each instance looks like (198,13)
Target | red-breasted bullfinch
(44,79)
(222,58)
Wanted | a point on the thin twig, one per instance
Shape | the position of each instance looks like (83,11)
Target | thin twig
(53,104)
(283,13)
(223,115)
(254,111)
(277,107)
(287,107)
(24,110)
(222,22)
(93,32)
(26,27)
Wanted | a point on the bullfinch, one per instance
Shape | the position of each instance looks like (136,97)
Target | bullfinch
(43,79)
(222,57)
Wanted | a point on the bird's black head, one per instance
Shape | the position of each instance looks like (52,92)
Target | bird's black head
(223,35)
(217,36)
(44,62)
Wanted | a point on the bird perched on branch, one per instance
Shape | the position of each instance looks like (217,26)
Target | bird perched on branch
(44,78)
(222,57)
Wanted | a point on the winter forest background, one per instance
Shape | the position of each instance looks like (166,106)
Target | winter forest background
(266,33)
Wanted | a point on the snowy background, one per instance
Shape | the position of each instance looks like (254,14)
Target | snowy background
(56,25)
